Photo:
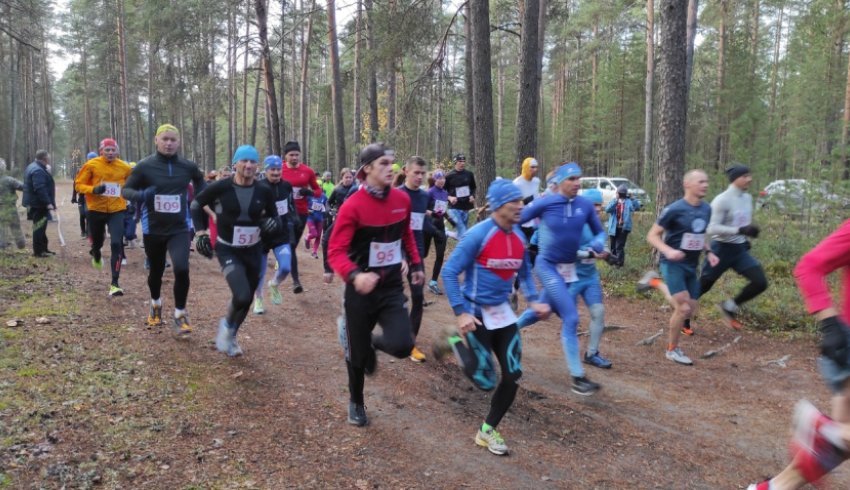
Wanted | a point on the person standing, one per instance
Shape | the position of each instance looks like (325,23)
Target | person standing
(679,235)
(438,204)
(304,184)
(460,184)
(730,229)
(10,222)
(365,250)
(100,181)
(489,256)
(39,199)
(620,212)
(159,185)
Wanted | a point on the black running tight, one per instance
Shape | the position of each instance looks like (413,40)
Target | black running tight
(177,246)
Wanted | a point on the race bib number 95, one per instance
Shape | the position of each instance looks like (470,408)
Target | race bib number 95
(384,254)
(166,203)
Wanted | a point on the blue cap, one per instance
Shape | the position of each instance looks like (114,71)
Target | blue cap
(246,152)
(566,171)
(91,155)
(594,195)
(273,161)
(501,192)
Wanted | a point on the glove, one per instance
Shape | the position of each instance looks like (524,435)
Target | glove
(751,231)
(612,259)
(74,199)
(99,189)
(835,344)
(269,226)
(305,192)
(203,246)
(146,196)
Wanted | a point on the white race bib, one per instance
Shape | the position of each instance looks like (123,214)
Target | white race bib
(588,261)
(740,218)
(440,206)
(567,271)
(163,203)
(245,236)
(417,221)
(462,191)
(112,189)
(693,241)
(499,316)
(384,254)
(296,193)
(317,206)
(282,207)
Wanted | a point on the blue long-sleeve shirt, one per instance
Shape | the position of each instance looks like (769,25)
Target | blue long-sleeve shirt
(489,257)
(561,223)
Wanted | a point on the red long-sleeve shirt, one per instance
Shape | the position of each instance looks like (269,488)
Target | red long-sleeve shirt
(363,231)
(831,254)
(300,177)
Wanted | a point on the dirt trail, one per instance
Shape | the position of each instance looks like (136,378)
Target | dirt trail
(166,413)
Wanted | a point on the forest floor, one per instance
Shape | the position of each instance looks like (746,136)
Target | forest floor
(92,397)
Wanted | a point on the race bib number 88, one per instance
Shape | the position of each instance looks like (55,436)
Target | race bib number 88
(166,203)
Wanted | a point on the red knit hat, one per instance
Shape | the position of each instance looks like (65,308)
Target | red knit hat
(107,142)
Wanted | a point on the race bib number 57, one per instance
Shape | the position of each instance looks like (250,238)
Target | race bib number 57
(166,203)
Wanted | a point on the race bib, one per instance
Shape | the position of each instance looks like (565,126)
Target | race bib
(384,254)
(317,206)
(567,271)
(740,218)
(462,191)
(693,241)
(282,207)
(499,316)
(245,236)
(112,189)
(417,220)
(296,193)
(588,261)
(166,203)
(440,206)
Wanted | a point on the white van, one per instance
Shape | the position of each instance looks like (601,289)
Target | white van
(608,187)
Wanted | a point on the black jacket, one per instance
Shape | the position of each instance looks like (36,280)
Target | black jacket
(39,188)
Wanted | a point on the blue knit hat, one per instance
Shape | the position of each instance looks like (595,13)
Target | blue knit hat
(566,171)
(273,161)
(594,195)
(501,192)
(91,155)
(246,152)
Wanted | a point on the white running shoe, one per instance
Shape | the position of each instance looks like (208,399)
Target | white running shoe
(676,355)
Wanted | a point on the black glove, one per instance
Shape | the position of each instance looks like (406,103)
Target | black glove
(203,246)
(528,200)
(74,199)
(305,192)
(270,226)
(99,189)
(751,231)
(835,342)
(612,259)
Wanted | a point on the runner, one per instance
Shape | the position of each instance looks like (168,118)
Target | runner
(327,183)
(318,205)
(159,186)
(39,199)
(438,204)
(731,225)
(337,197)
(81,201)
(563,216)
(365,251)
(620,212)
(279,242)
(489,256)
(460,184)
(414,173)
(304,184)
(245,210)
(679,234)
(100,181)
(529,185)
(822,443)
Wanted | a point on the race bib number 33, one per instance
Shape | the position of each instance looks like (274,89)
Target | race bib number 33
(384,254)
(693,241)
(166,203)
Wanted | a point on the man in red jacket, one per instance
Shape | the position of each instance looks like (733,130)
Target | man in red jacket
(304,184)
(365,249)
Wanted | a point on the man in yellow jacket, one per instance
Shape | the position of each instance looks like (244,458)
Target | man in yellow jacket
(101,180)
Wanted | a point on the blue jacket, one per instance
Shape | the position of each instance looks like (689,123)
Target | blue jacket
(489,258)
(630,206)
(39,188)
(561,224)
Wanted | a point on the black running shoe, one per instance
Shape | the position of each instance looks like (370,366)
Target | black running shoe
(585,387)
(297,289)
(357,414)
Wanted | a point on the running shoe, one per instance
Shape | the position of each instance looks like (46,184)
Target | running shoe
(296,288)
(729,311)
(222,339)
(259,309)
(434,287)
(647,281)
(492,440)
(181,325)
(765,485)
(274,292)
(676,355)
(417,355)
(84,234)
(688,330)
(315,255)
(235,350)
(96,259)
(155,316)
(357,414)
(115,290)
(584,387)
(597,360)
(817,445)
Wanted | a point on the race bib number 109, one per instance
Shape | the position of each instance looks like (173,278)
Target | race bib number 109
(166,203)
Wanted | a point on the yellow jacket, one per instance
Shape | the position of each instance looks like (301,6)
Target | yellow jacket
(98,171)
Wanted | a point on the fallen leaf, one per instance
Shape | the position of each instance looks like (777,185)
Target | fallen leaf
(42,320)
(236,375)
(12,323)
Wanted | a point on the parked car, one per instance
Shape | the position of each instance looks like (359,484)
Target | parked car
(796,196)
(608,187)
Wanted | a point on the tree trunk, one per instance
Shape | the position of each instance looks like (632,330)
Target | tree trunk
(305,94)
(529,91)
(268,74)
(485,163)
(245,91)
(358,40)
(256,109)
(127,144)
(373,78)
(336,89)
(649,86)
(470,85)
(391,98)
(845,130)
(231,80)
(89,143)
(722,136)
(673,104)
(693,6)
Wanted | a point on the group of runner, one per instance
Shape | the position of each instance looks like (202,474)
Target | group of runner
(376,234)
